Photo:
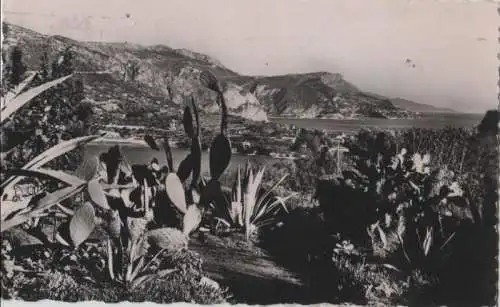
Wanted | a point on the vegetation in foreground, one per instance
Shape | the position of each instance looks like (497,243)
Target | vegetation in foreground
(402,224)
(92,234)
(395,222)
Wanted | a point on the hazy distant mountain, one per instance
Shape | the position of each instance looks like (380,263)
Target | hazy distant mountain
(419,107)
(167,76)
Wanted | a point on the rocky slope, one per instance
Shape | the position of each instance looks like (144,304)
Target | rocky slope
(166,77)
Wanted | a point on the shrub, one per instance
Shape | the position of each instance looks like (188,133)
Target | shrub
(419,214)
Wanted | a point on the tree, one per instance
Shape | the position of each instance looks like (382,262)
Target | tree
(57,114)
(63,65)
(17,66)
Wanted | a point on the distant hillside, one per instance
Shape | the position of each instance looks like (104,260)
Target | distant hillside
(418,107)
(168,76)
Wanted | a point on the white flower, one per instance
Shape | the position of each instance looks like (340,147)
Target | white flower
(426,159)
(420,163)
(456,190)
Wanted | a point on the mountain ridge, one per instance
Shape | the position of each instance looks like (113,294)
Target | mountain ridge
(167,76)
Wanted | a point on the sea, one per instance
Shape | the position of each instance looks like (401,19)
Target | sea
(137,154)
(433,121)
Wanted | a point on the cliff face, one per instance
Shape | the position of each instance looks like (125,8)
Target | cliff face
(166,77)
(320,95)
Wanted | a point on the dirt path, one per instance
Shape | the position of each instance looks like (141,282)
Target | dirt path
(251,275)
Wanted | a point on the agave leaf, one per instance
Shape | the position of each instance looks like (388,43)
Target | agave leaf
(175,191)
(82,224)
(187,121)
(20,100)
(391,267)
(19,88)
(56,197)
(185,168)
(236,212)
(192,219)
(220,156)
(269,191)
(21,238)
(238,186)
(139,249)
(447,241)
(253,188)
(97,195)
(46,174)
(132,273)
(110,259)
(62,235)
(151,142)
(49,155)
(427,241)
(141,280)
(278,201)
(67,211)
(148,277)
(41,205)
(383,237)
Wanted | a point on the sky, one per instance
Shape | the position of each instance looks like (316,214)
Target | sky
(442,53)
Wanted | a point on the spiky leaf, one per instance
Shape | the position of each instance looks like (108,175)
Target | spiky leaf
(19,88)
(56,197)
(63,234)
(12,106)
(48,155)
(21,238)
(46,174)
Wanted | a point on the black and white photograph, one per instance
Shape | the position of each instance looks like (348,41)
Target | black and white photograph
(256,152)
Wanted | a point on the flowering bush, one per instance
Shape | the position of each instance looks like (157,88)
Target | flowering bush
(399,201)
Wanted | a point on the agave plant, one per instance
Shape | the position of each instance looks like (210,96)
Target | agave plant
(17,213)
(17,98)
(251,206)
(131,263)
